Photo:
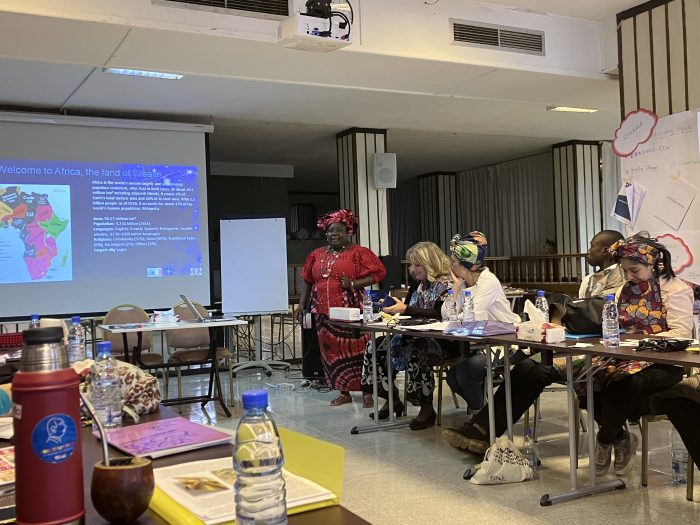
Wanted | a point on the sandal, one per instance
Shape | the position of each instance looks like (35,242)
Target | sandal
(341,400)
(367,400)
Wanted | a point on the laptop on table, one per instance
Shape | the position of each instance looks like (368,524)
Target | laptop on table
(198,316)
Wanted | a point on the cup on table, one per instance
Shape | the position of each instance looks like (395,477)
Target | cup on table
(122,491)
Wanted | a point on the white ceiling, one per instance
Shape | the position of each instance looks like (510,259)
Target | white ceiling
(585,9)
(273,105)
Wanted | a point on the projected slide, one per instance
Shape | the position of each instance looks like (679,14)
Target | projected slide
(35,241)
(63,221)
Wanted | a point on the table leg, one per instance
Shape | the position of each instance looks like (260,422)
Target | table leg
(592,488)
(506,382)
(393,422)
(591,421)
(489,394)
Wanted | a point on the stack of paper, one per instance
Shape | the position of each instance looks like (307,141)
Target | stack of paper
(205,488)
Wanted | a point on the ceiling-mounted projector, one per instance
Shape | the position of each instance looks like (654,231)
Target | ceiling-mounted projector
(312,33)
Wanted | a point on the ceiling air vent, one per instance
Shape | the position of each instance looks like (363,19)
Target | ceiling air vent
(274,9)
(490,36)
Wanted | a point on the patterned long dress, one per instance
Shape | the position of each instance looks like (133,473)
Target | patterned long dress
(341,351)
(417,356)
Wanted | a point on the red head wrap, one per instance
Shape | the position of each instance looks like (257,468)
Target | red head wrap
(347,217)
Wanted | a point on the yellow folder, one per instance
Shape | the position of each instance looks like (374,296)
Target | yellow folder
(308,457)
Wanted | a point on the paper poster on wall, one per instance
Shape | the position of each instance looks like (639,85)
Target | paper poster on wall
(628,203)
(673,202)
(668,167)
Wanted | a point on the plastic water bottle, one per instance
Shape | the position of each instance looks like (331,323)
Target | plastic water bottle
(468,307)
(34,321)
(76,341)
(451,306)
(260,491)
(106,387)
(541,305)
(367,307)
(611,323)
(529,449)
(679,459)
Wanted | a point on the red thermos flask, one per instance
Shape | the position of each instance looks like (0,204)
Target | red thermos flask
(46,417)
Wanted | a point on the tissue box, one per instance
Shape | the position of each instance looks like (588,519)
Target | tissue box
(555,335)
(531,332)
(344,314)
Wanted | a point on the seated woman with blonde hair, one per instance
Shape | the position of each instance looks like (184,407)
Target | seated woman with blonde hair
(430,268)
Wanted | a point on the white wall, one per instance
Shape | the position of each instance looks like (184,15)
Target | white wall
(387,27)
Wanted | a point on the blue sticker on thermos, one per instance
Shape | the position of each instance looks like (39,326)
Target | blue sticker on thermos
(54,438)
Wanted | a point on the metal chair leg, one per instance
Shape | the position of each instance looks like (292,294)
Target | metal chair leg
(439,406)
(229,367)
(179,389)
(166,380)
(526,420)
(691,476)
(534,420)
(644,428)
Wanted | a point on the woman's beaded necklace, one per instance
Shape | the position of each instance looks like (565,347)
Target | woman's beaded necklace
(330,260)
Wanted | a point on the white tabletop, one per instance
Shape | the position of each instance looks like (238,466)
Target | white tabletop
(126,328)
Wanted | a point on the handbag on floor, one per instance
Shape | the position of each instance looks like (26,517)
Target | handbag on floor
(503,463)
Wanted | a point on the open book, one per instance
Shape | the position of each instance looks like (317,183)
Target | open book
(205,488)
(164,437)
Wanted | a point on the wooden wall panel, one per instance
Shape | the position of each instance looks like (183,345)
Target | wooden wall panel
(659,56)
(692,26)
(660,61)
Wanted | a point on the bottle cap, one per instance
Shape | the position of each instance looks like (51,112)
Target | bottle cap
(610,297)
(104,347)
(449,292)
(255,399)
(468,293)
(35,317)
(75,319)
(540,293)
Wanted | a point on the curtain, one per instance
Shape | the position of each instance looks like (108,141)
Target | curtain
(404,222)
(512,203)
(610,185)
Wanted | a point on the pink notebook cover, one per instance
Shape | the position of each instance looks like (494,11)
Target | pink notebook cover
(165,437)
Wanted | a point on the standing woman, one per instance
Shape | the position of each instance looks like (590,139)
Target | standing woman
(336,275)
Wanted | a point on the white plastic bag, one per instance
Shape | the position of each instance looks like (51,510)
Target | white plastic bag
(503,463)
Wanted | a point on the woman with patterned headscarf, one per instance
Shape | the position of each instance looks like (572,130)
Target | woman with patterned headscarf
(490,303)
(335,275)
(653,301)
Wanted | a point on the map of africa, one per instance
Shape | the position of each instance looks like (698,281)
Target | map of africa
(35,241)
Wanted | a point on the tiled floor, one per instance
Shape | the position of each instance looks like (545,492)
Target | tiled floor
(402,476)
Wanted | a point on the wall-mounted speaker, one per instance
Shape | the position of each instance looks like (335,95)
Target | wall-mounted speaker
(384,170)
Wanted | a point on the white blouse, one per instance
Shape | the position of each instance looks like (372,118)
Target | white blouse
(490,302)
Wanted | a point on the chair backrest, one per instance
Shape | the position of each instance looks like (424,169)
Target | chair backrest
(127,313)
(48,322)
(190,337)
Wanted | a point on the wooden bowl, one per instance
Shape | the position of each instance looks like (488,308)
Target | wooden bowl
(122,491)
